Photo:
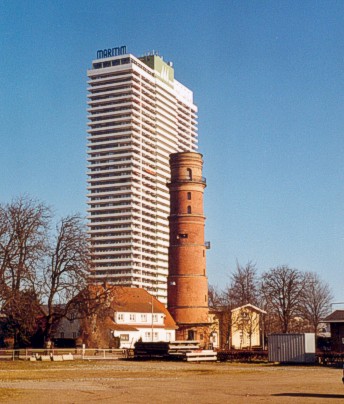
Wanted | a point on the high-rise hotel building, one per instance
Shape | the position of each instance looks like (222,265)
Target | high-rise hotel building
(138,115)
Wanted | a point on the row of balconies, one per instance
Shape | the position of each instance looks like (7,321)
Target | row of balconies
(111,120)
(117,112)
(146,200)
(110,220)
(114,98)
(109,125)
(105,138)
(99,206)
(150,233)
(120,89)
(101,106)
(120,105)
(110,86)
(103,183)
(110,155)
(136,246)
(96,78)
(110,213)
(124,267)
(97,167)
(120,188)
(111,132)
(149,242)
(108,175)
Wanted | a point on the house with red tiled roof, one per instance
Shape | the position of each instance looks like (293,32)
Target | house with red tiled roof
(336,321)
(120,317)
(137,315)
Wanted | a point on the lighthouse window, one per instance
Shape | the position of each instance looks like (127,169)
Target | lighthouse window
(189,173)
(182,235)
(189,196)
(189,209)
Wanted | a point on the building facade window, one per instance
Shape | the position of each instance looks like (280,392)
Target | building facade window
(189,196)
(189,173)
(132,317)
(189,209)
(143,317)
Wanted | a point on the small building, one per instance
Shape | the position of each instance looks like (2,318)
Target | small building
(140,316)
(247,327)
(336,321)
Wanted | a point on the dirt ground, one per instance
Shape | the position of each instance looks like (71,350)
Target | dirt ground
(166,382)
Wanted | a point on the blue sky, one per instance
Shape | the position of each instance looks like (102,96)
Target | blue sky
(268,78)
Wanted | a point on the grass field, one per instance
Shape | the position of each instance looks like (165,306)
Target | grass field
(166,382)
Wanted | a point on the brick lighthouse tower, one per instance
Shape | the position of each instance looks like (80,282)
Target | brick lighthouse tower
(187,281)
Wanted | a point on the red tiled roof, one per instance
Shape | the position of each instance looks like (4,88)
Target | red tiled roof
(336,317)
(137,300)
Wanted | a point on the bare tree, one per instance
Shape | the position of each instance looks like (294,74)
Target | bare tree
(23,243)
(244,285)
(19,315)
(66,273)
(23,235)
(317,297)
(215,299)
(282,289)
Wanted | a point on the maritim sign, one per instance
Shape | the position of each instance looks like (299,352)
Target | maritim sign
(107,53)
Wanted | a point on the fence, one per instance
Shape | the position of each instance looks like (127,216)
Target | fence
(78,353)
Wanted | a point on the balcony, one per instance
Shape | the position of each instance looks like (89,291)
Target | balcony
(188,179)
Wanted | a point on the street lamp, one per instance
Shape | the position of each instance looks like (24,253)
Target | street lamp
(152,314)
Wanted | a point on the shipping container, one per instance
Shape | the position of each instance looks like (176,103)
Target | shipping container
(291,348)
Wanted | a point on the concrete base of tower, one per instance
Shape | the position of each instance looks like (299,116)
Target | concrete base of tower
(194,332)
